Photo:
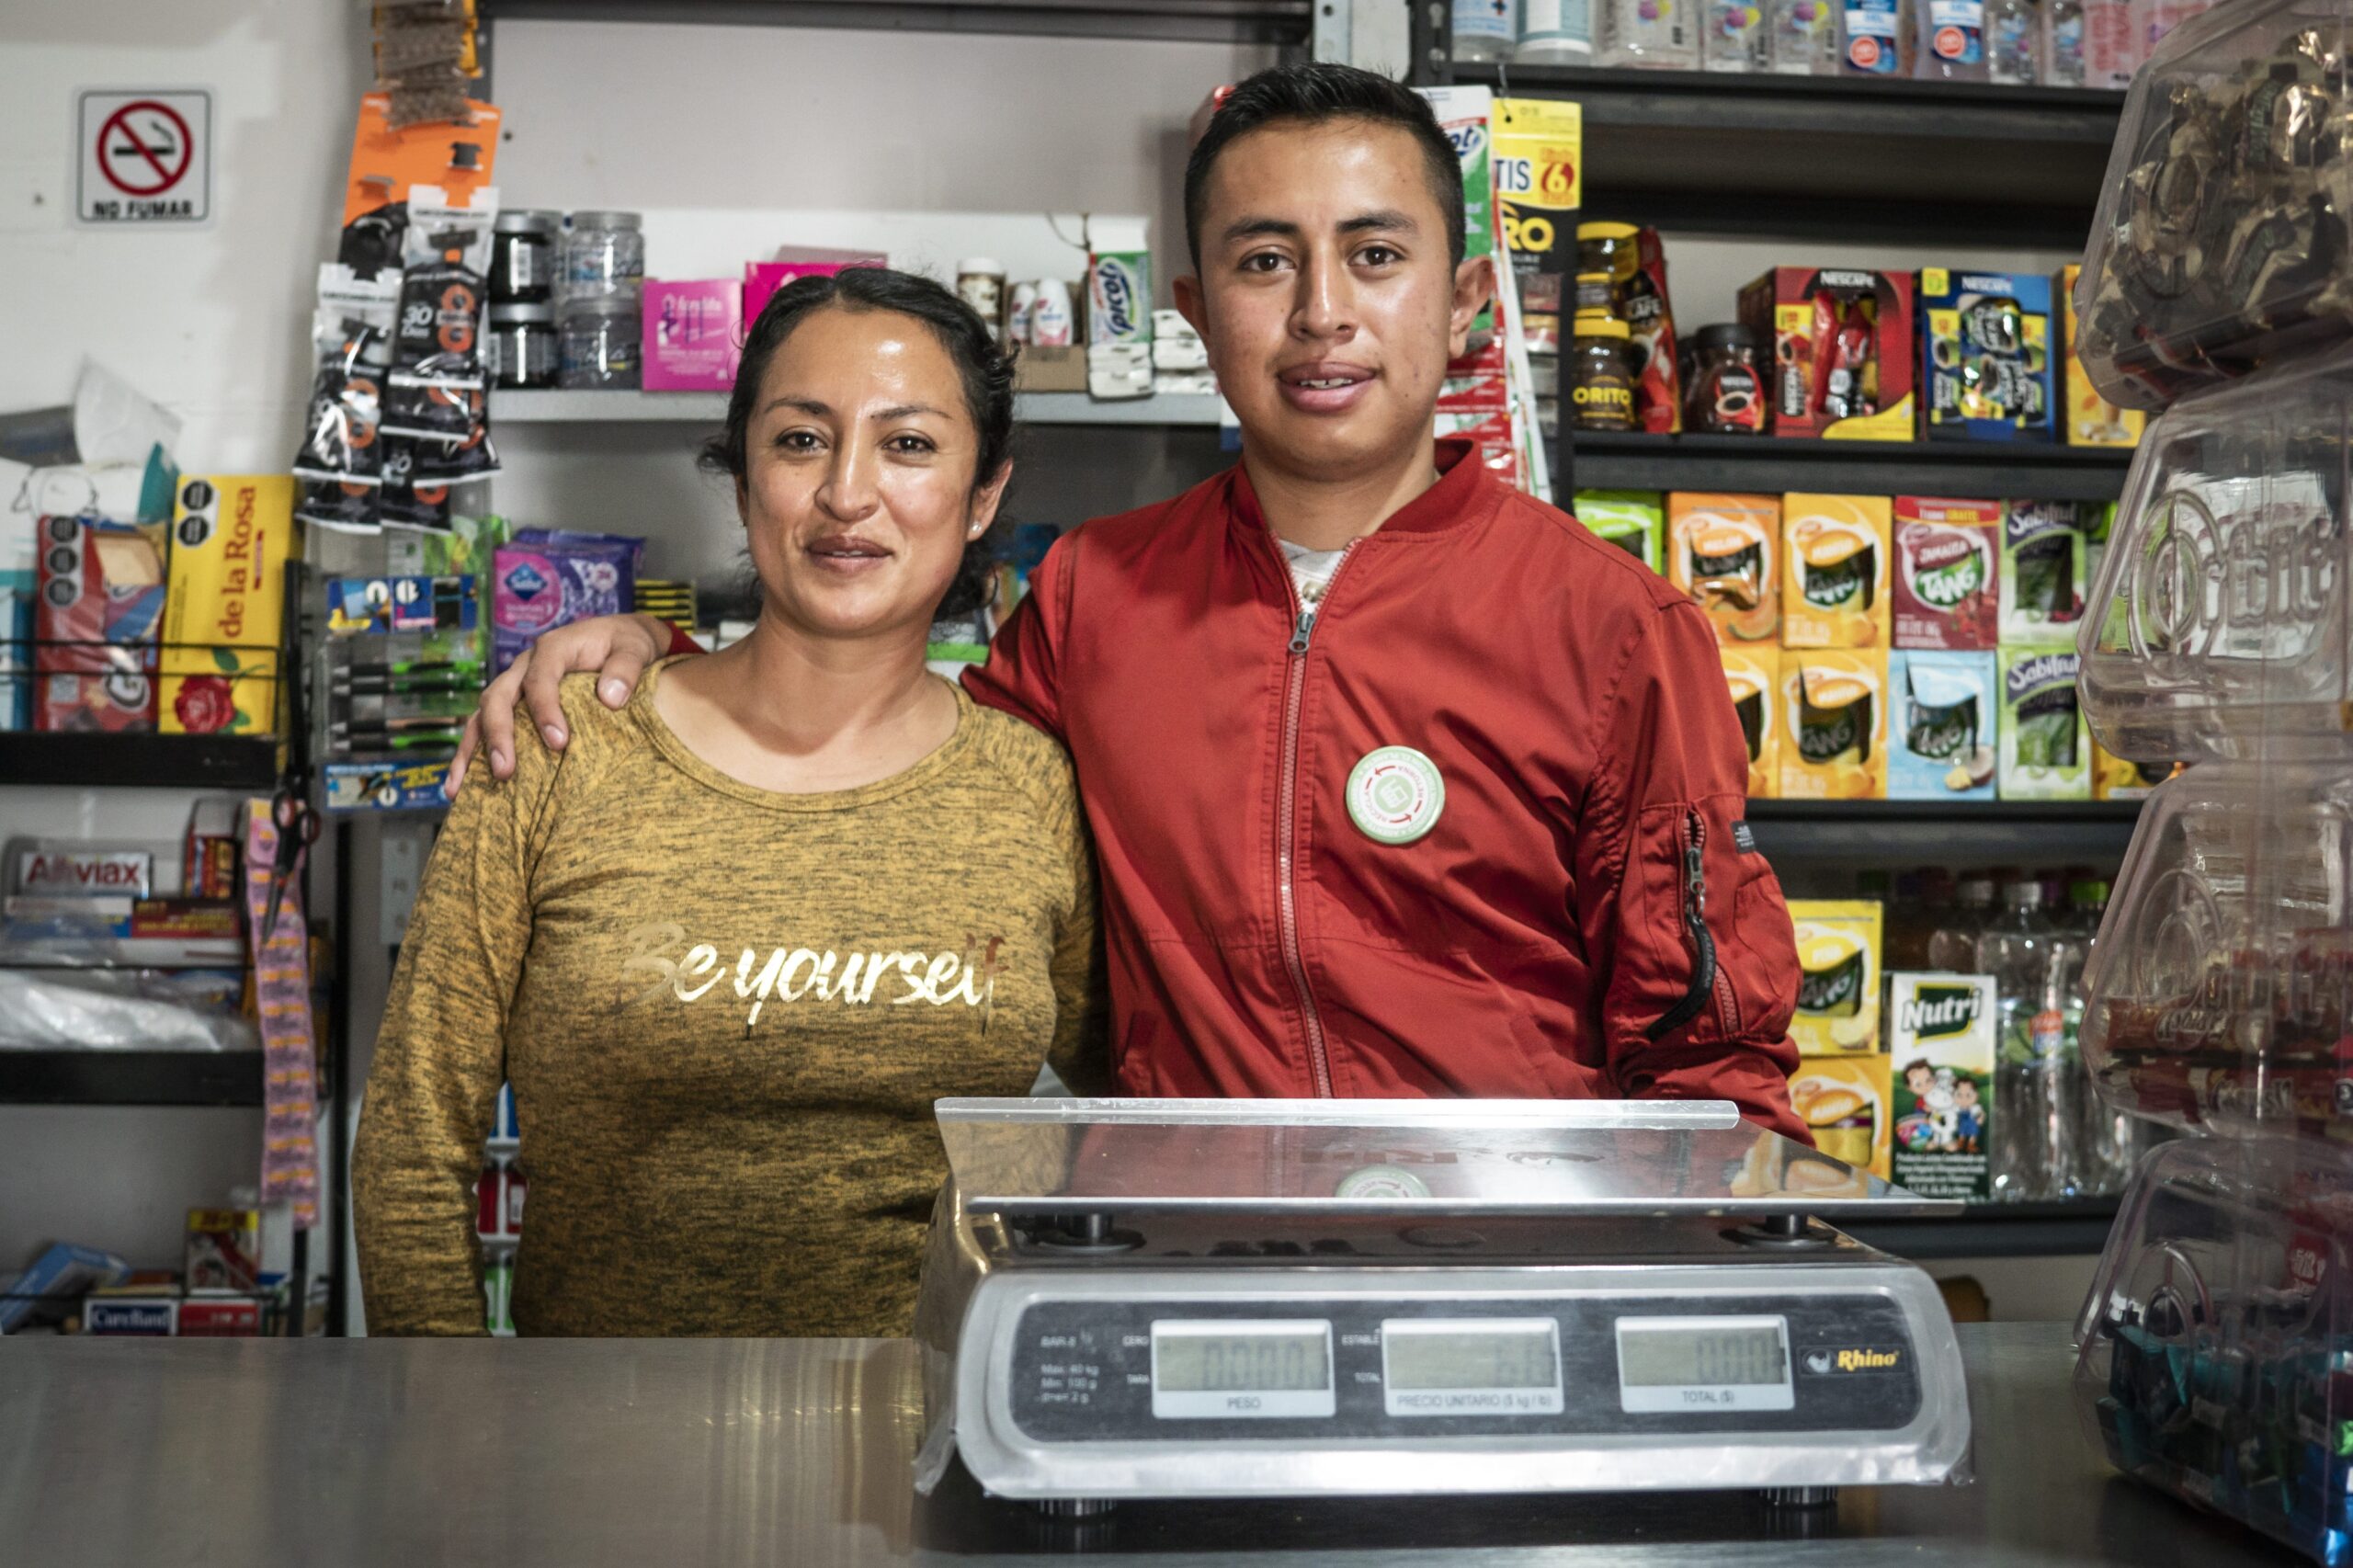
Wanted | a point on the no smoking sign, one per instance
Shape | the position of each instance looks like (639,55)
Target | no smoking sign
(146,157)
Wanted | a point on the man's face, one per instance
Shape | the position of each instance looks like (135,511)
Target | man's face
(1326,298)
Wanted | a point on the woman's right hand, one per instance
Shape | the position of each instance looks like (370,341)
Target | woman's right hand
(618,646)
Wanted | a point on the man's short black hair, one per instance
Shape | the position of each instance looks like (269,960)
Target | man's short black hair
(1314,93)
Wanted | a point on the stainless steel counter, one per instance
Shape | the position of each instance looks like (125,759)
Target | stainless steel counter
(668,1453)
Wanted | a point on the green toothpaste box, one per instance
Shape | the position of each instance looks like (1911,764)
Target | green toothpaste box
(1940,1080)
(2045,749)
(1633,520)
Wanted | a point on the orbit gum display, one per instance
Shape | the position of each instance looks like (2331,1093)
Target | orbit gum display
(1834,550)
(1985,355)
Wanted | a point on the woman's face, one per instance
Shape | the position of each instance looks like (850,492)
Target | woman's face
(858,489)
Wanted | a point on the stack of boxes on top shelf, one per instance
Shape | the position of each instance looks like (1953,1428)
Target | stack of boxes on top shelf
(2213,1357)
(1910,647)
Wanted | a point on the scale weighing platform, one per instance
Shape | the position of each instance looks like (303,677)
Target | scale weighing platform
(1173,1299)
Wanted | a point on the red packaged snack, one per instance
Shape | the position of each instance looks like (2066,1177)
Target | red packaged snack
(101,601)
(1843,358)
(220,1317)
(1650,326)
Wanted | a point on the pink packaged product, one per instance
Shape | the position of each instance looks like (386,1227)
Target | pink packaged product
(762,278)
(694,335)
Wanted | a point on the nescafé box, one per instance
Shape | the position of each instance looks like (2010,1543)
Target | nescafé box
(2045,748)
(1633,520)
(1946,591)
(1832,745)
(1986,356)
(1944,715)
(1838,957)
(1725,551)
(1834,552)
(1843,1100)
(1940,1064)
(1750,676)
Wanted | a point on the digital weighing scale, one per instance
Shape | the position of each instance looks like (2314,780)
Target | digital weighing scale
(1169,1299)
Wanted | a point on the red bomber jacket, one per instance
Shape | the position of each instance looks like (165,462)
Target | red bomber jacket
(1470,826)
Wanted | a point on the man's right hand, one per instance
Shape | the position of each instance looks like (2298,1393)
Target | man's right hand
(618,646)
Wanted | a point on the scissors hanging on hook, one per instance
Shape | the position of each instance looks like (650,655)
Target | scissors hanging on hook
(298,829)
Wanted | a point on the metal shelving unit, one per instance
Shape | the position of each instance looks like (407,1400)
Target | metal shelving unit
(2067,1229)
(148,760)
(1881,833)
(528,407)
(1771,465)
(130,1077)
(1202,21)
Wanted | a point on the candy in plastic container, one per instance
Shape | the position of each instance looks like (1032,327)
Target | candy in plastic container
(2219,625)
(2221,242)
(2223,980)
(2212,1360)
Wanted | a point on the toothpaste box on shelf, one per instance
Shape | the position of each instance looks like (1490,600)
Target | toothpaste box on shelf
(1986,356)
(1940,1065)
(693,334)
(1833,724)
(1835,567)
(1752,676)
(142,1317)
(1843,348)
(2045,748)
(1839,960)
(1946,593)
(101,604)
(1945,709)
(231,537)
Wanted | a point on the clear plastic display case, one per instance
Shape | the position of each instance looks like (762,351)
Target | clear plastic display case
(2221,244)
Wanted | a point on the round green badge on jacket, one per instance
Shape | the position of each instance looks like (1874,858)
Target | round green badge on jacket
(1396,795)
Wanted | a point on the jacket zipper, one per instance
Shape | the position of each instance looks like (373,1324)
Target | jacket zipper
(1708,979)
(1319,1062)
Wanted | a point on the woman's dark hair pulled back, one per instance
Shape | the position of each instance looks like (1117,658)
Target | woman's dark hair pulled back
(984,367)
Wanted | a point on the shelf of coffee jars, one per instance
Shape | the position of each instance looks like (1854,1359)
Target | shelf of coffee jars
(1943,833)
(2068,1227)
(1833,157)
(1198,21)
(138,760)
(556,407)
(130,1077)
(1769,465)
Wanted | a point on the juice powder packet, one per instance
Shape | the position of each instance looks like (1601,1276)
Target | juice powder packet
(1945,593)
(1835,586)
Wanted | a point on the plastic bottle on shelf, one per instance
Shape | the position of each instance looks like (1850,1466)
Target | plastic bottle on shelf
(1659,34)
(2037,1109)
(1952,947)
(1737,37)
(1485,29)
(1805,37)
(2014,42)
(2112,51)
(1953,41)
(2112,1142)
(1554,32)
(2063,42)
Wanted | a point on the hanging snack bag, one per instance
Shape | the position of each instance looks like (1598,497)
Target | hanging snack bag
(1725,551)
(1842,350)
(437,337)
(1944,724)
(1633,520)
(2046,555)
(2046,751)
(1833,724)
(455,157)
(101,602)
(1835,593)
(1650,328)
(1946,591)
(1985,353)
(351,330)
(1940,1065)
(1838,948)
(1843,1101)
(1750,676)
(1538,158)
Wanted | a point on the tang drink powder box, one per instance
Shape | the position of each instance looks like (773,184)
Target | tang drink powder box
(1843,1100)
(232,536)
(1946,593)
(1945,715)
(1725,551)
(1838,948)
(1633,520)
(1833,724)
(1940,1069)
(1834,550)
(2046,559)
(2045,748)
(1750,675)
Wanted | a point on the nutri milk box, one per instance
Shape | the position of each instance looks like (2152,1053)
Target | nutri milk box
(1940,1069)
(1944,714)
(1945,593)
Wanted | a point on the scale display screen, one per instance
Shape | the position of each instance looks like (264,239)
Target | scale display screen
(1471,1365)
(1228,1368)
(1704,1363)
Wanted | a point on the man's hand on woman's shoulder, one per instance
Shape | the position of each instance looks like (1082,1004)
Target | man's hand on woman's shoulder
(618,647)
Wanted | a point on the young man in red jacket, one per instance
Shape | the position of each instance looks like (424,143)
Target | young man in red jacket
(1403,783)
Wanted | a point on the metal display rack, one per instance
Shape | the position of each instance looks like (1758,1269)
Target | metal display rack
(1773,465)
